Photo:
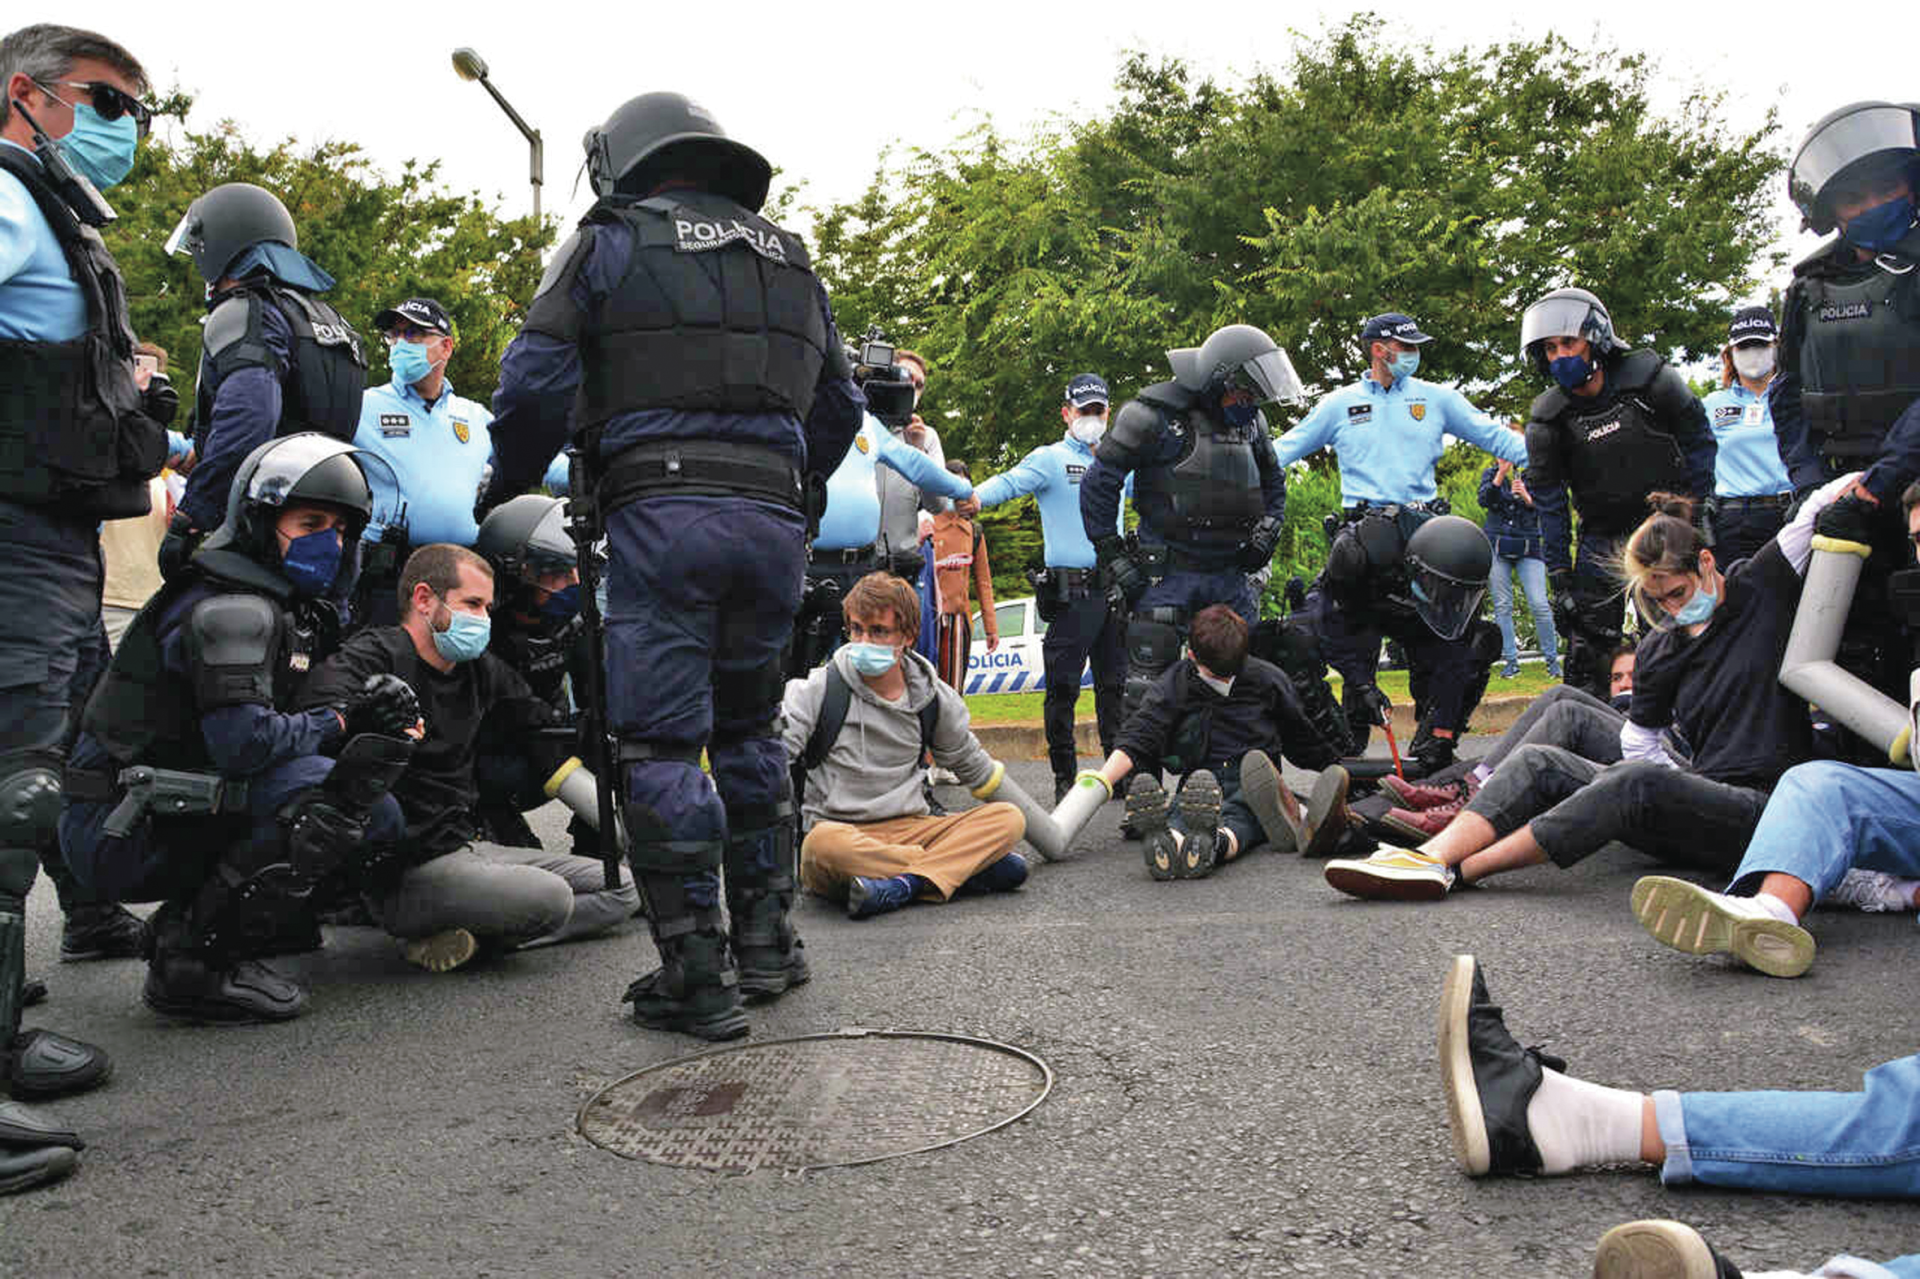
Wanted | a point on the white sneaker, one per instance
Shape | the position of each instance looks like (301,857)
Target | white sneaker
(1392,874)
(1869,890)
(1659,1249)
(1688,918)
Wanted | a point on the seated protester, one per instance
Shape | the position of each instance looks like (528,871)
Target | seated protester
(1563,716)
(242,814)
(870,838)
(538,631)
(1221,718)
(1513,1112)
(1711,675)
(1831,832)
(440,889)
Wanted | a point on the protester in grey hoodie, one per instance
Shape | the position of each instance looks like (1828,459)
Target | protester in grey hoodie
(871,839)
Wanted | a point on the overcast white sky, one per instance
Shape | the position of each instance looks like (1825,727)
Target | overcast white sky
(821,95)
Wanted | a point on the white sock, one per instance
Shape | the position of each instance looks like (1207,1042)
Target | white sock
(1481,773)
(1577,1124)
(1775,907)
(1906,889)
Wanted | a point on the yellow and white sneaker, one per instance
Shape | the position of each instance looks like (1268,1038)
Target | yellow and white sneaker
(1392,874)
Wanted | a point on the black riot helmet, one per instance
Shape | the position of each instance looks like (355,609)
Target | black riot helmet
(526,537)
(228,220)
(1860,144)
(1448,561)
(309,468)
(1238,357)
(1567,313)
(658,135)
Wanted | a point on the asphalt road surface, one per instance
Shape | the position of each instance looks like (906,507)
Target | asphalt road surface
(1246,1085)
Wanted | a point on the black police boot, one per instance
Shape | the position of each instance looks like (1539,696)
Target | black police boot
(696,990)
(108,931)
(194,976)
(34,1150)
(1489,1078)
(36,1063)
(1066,766)
(760,888)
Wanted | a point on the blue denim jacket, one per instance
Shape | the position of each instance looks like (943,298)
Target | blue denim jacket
(1513,526)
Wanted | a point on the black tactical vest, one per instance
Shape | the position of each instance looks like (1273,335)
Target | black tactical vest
(1617,451)
(1212,490)
(1859,357)
(143,713)
(718,310)
(322,388)
(539,657)
(73,430)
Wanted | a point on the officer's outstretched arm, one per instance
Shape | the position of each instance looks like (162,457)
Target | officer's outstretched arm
(920,469)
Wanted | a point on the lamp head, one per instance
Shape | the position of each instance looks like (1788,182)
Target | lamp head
(469,65)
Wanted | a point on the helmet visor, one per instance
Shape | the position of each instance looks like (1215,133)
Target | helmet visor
(1272,378)
(1447,605)
(1554,318)
(550,547)
(280,472)
(1843,143)
(181,240)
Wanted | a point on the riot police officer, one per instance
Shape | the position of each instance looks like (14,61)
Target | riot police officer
(76,446)
(1210,493)
(191,785)
(1849,379)
(710,377)
(1417,578)
(1082,624)
(1616,426)
(275,359)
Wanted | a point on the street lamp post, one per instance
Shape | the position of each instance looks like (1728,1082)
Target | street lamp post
(469,65)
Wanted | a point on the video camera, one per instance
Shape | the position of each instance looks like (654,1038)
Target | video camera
(887,386)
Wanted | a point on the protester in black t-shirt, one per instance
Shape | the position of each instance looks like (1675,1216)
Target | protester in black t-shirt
(1709,674)
(441,890)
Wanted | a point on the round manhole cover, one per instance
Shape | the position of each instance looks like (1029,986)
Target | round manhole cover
(815,1101)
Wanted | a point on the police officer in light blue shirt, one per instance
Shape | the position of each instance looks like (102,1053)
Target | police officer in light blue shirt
(1387,427)
(1751,491)
(843,550)
(1082,623)
(436,442)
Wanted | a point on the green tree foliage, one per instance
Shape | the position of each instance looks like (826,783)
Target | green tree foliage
(383,238)
(1457,185)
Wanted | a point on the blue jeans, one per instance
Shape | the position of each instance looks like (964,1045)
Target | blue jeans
(1825,818)
(1533,580)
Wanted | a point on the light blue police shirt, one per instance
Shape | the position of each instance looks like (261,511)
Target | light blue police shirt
(1052,474)
(1388,438)
(438,454)
(39,301)
(1748,461)
(852,517)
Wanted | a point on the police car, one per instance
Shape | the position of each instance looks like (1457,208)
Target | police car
(1017,666)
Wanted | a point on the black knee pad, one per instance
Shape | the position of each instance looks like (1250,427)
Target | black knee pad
(30,804)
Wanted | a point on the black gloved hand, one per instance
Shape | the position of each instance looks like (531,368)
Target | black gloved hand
(1256,552)
(1118,569)
(484,496)
(385,705)
(178,546)
(162,401)
(1378,705)
(1850,518)
(1560,583)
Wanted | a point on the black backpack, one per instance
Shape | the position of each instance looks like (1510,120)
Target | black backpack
(826,731)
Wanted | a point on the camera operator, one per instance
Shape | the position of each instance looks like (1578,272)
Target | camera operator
(901,525)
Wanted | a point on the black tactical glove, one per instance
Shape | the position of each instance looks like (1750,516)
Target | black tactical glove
(1378,706)
(385,706)
(162,401)
(1560,582)
(1256,552)
(1118,569)
(484,496)
(1850,519)
(178,546)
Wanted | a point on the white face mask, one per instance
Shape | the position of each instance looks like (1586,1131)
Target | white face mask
(1753,362)
(1220,686)
(1088,428)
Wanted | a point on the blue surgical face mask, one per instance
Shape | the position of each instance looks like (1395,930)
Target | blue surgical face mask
(465,638)
(560,606)
(312,561)
(1571,371)
(1882,227)
(409,362)
(872,659)
(1405,364)
(1698,609)
(101,150)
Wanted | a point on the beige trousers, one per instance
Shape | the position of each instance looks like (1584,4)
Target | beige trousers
(944,851)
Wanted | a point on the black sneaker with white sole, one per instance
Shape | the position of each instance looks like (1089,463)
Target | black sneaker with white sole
(1147,806)
(1489,1078)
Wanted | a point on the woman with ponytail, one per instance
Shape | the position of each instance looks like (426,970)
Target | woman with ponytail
(1708,673)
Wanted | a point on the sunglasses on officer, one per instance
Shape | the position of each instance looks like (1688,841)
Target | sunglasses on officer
(110,103)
